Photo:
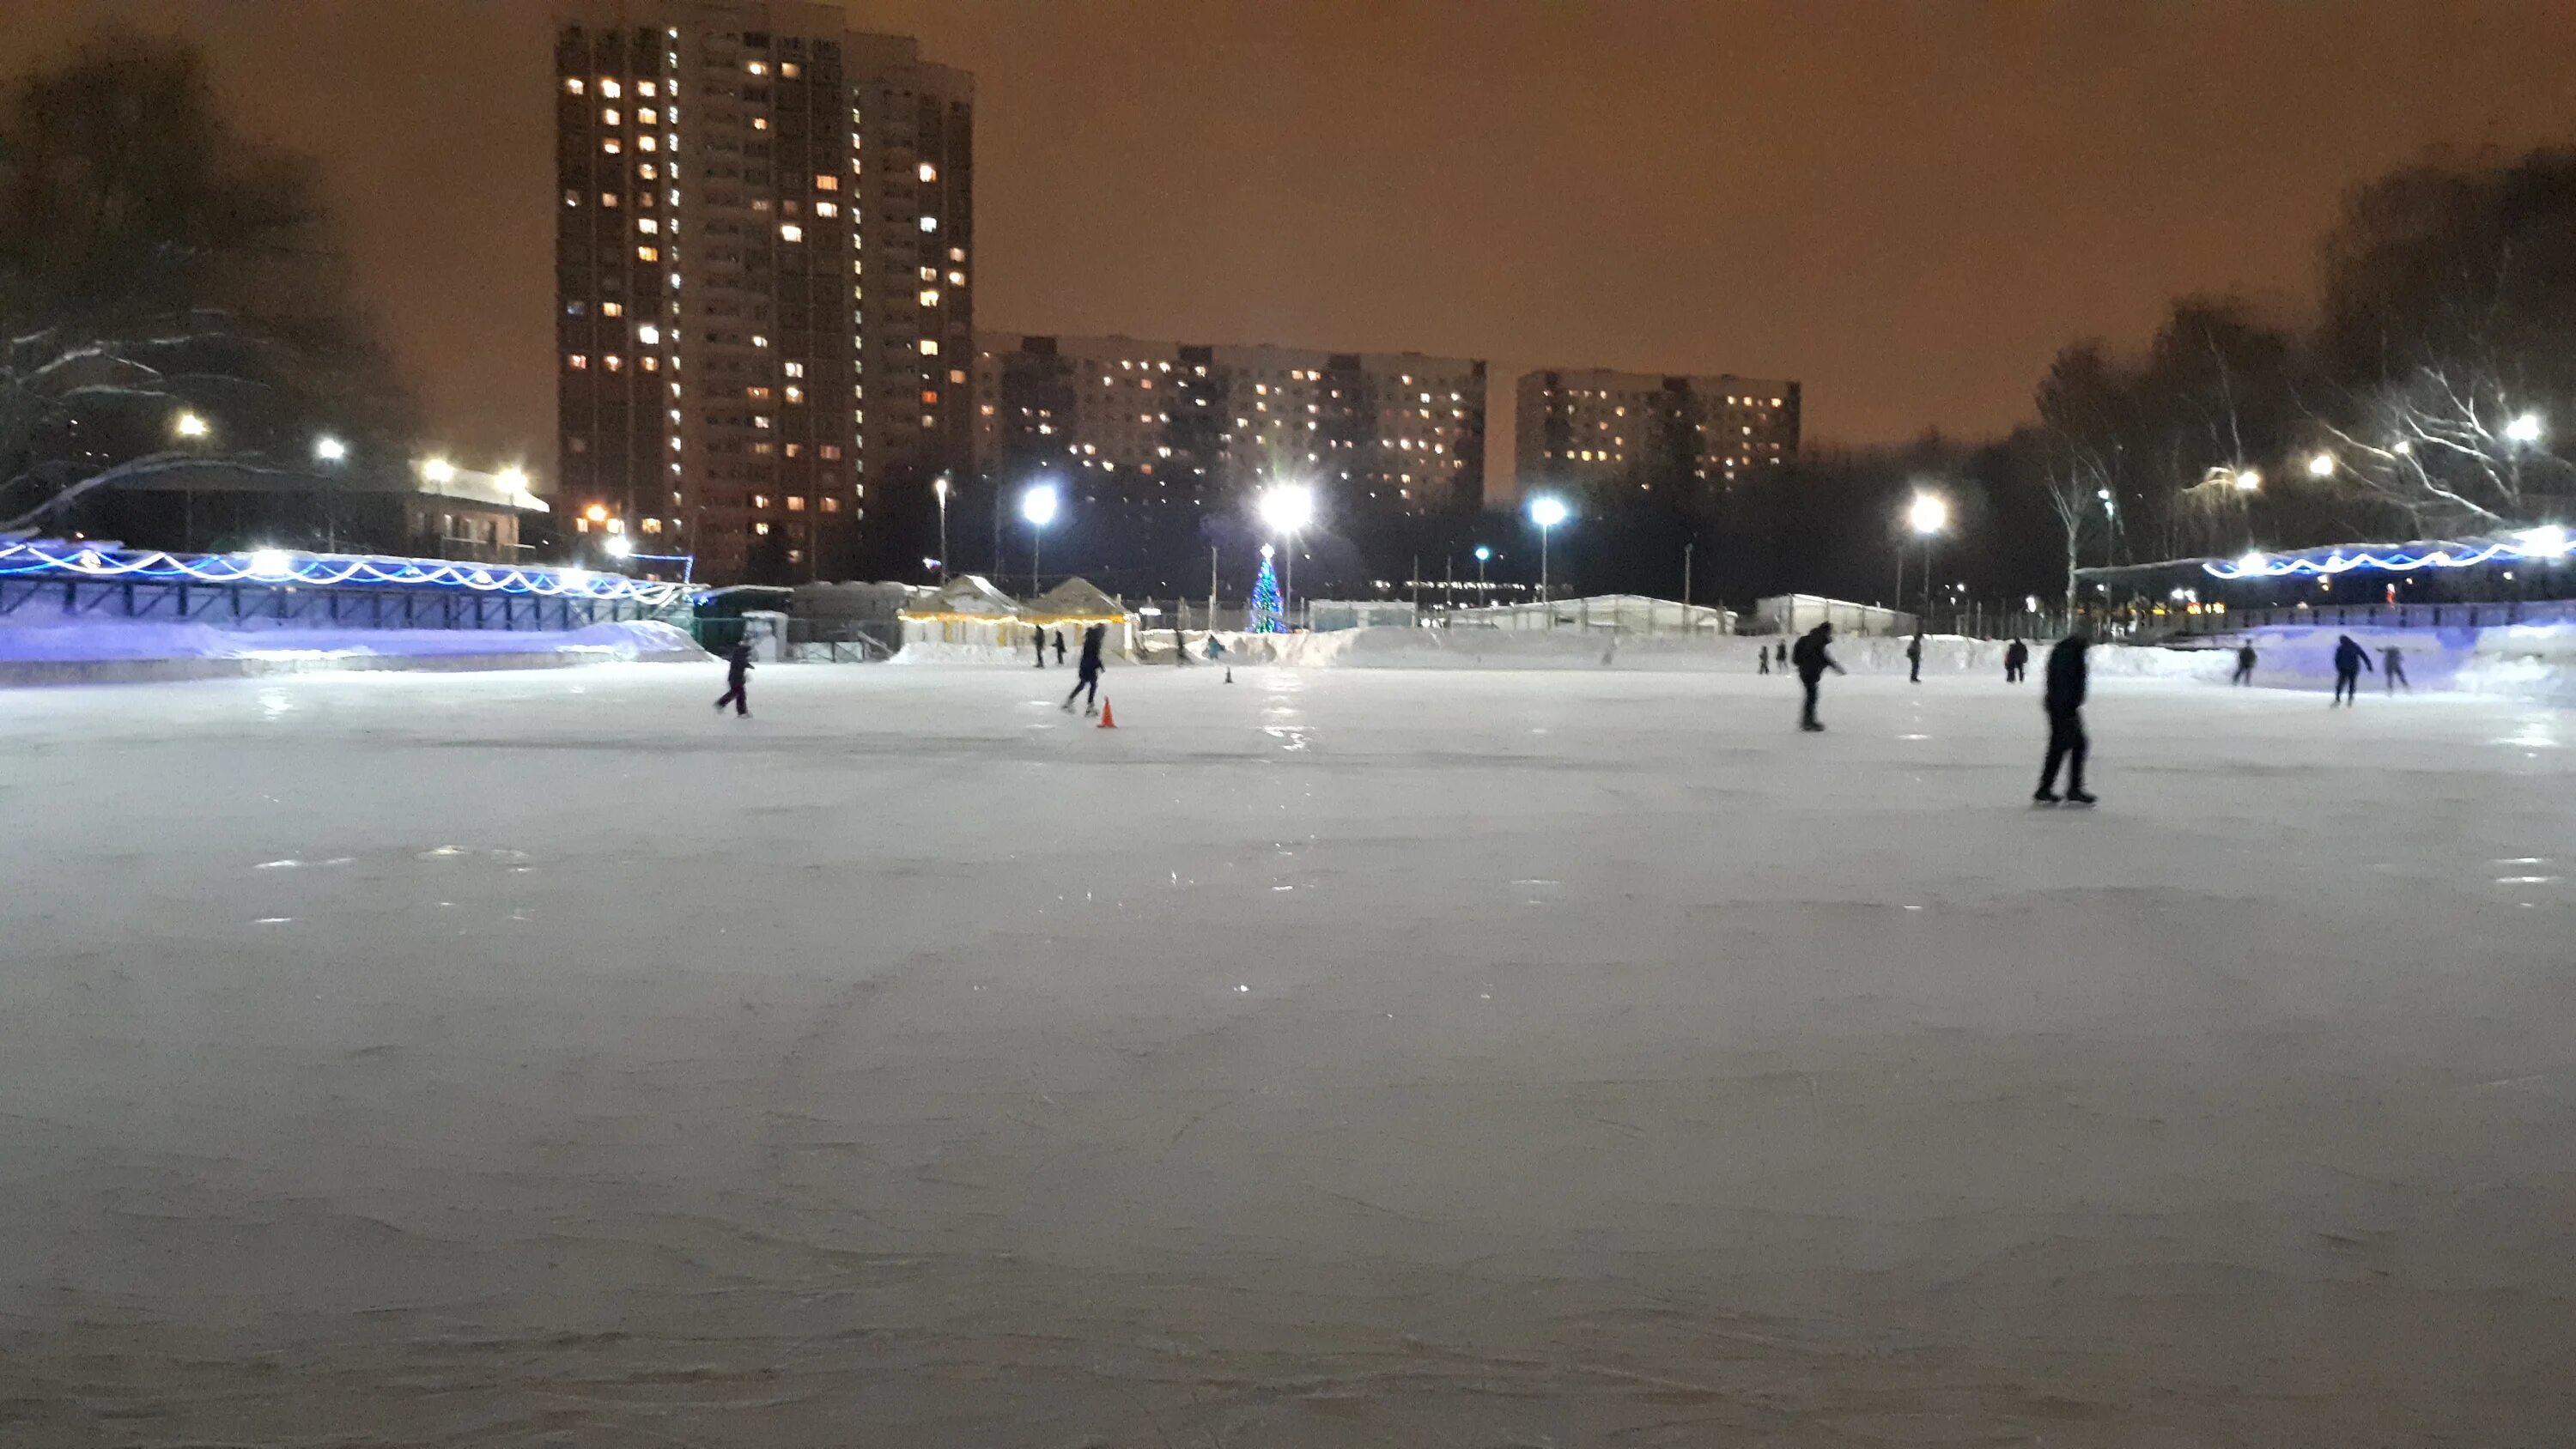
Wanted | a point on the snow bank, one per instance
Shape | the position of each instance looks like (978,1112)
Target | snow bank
(56,648)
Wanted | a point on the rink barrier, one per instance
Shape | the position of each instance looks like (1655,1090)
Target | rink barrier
(39,672)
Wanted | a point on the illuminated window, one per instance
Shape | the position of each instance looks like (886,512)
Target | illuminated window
(795,394)
(956,374)
(612,309)
(958,279)
(795,449)
(795,369)
(956,254)
(787,70)
(572,198)
(928,223)
(761,528)
(826,181)
(652,364)
(648,226)
(764,449)
(760,123)
(760,420)
(577,362)
(647,117)
(756,394)
(645,88)
(930,296)
(652,525)
(929,395)
(831,505)
(610,146)
(608,117)
(648,254)
(613,362)
(572,85)
(757,67)
(929,347)
(608,198)
(831,453)
(644,143)
(929,172)
(795,502)
(825,208)
(759,341)
(608,88)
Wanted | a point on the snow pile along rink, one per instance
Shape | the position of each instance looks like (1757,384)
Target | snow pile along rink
(56,649)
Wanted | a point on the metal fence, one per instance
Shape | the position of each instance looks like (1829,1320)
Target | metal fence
(370,606)
(2233,619)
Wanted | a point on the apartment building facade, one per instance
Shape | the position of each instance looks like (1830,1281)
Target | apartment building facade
(1594,430)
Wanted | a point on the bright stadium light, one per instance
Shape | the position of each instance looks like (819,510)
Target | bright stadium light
(1547,511)
(1038,505)
(1288,507)
(1928,514)
(514,479)
(271,563)
(620,546)
(328,449)
(2250,480)
(2251,563)
(2524,429)
(1483,553)
(2547,541)
(2321,465)
(190,425)
(438,470)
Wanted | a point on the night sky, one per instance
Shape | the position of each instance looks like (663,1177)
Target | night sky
(1907,207)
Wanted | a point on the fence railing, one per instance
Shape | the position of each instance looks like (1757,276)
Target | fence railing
(2388,616)
(371,606)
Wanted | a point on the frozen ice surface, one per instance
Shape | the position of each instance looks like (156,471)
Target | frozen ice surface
(1341,1057)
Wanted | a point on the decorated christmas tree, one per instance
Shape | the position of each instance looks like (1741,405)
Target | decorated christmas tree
(1265,599)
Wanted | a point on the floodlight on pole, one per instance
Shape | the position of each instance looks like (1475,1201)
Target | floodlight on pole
(1928,514)
(191,425)
(2321,465)
(1286,508)
(328,449)
(1547,511)
(2250,480)
(620,546)
(1038,506)
(939,486)
(2525,428)
(438,470)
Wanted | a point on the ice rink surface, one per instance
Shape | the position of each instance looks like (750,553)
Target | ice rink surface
(1341,1057)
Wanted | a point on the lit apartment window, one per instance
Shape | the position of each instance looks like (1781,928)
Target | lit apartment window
(831,505)
(826,181)
(928,223)
(612,309)
(608,117)
(930,296)
(613,362)
(645,88)
(760,500)
(757,67)
(831,453)
(608,88)
(790,231)
(648,254)
(756,394)
(572,85)
(957,374)
(761,528)
(795,502)
(649,335)
(577,362)
(759,341)
(929,172)
(648,226)
(988,410)
(929,347)
(930,395)
(796,394)
(647,116)
(826,208)
(652,525)
(795,450)
(760,123)
(760,420)
(608,198)
(645,143)
(795,369)
(610,146)
(787,70)
(648,171)
(652,364)
(572,198)
(764,449)
(956,254)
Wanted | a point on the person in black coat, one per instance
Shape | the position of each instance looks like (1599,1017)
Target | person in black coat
(737,680)
(1041,648)
(2244,665)
(1914,658)
(1812,662)
(2016,661)
(2392,669)
(2349,660)
(1059,648)
(2064,702)
(1088,675)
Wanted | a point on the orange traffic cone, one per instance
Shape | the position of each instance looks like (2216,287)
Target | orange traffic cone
(1108,717)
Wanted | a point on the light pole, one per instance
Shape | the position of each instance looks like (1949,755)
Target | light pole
(1038,507)
(1287,508)
(328,450)
(189,427)
(939,486)
(1482,553)
(1928,514)
(1547,511)
(1686,563)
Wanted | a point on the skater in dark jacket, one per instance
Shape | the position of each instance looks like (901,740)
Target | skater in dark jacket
(1088,671)
(1783,656)
(2349,660)
(2392,669)
(2016,661)
(1763,654)
(737,680)
(1041,649)
(1812,662)
(2244,665)
(1914,658)
(1059,648)
(2064,702)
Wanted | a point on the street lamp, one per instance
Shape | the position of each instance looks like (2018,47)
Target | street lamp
(1482,553)
(2321,465)
(939,486)
(438,470)
(2524,428)
(620,546)
(1927,515)
(1287,508)
(191,425)
(2250,480)
(328,449)
(1547,511)
(1038,507)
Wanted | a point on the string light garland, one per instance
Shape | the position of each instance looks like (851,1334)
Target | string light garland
(24,558)
(2537,545)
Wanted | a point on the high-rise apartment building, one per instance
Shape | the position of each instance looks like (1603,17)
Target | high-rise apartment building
(1147,436)
(764,283)
(1595,430)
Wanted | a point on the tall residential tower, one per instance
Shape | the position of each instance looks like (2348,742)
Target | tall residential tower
(764,282)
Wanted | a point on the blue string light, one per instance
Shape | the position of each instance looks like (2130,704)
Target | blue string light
(279,567)
(2536,545)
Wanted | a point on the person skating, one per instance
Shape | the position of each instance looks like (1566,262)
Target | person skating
(2064,701)
(2016,661)
(2349,660)
(1088,675)
(1763,655)
(2244,665)
(2392,669)
(737,680)
(1812,662)
(1041,649)
(1783,656)
(1914,658)
(1059,648)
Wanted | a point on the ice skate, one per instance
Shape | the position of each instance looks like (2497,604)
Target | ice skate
(2043,796)
(2078,797)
